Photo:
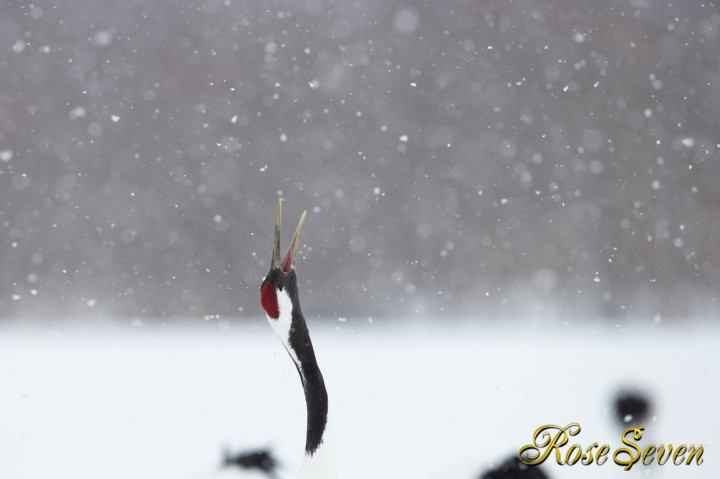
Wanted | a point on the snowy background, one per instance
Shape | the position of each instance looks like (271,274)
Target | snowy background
(413,401)
(513,211)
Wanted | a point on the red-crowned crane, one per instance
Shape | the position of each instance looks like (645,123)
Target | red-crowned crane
(280,300)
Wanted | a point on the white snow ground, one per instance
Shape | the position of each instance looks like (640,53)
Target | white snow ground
(413,401)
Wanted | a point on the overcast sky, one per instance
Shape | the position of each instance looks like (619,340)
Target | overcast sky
(497,159)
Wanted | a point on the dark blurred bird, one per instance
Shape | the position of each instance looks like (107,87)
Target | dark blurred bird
(631,408)
(513,468)
(280,300)
(261,460)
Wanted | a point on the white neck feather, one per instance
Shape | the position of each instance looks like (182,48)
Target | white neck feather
(283,323)
(322,464)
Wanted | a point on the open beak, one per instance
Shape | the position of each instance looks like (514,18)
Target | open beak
(289,262)
(276,245)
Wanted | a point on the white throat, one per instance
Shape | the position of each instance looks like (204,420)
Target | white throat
(283,324)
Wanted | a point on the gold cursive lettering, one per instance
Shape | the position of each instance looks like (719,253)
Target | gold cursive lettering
(631,459)
(647,457)
(691,453)
(662,458)
(544,443)
(553,438)
(679,455)
(602,454)
(587,458)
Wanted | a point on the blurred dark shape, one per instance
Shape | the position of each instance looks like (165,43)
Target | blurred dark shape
(261,460)
(513,468)
(631,408)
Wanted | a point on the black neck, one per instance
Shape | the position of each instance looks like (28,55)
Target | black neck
(316,396)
